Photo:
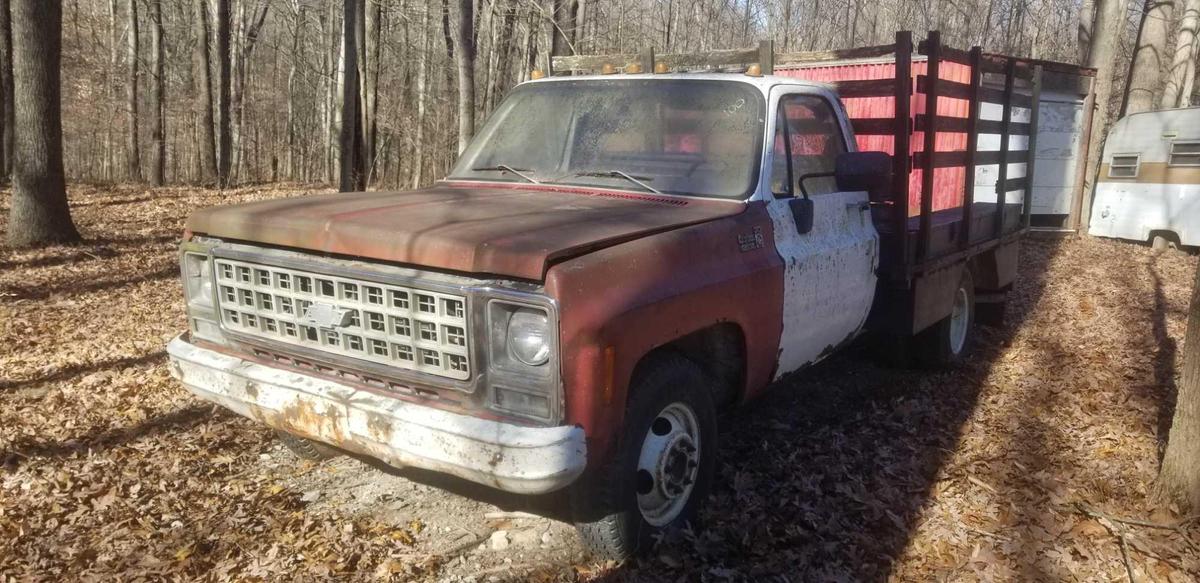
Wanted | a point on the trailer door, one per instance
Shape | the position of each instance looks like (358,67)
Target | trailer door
(829,278)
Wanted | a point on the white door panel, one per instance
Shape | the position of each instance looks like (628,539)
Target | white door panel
(829,276)
(829,272)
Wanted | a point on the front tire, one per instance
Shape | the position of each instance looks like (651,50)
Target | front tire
(662,468)
(947,342)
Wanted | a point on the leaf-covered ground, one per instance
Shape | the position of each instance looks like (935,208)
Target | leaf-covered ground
(853,471)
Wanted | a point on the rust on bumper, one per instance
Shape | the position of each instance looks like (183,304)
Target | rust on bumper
(514,458)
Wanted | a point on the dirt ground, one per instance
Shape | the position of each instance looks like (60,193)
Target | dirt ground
(853,471)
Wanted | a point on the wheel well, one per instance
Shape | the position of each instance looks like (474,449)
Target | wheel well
(1164,233)
(719,351)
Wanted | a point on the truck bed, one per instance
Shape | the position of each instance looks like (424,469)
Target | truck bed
(946,228)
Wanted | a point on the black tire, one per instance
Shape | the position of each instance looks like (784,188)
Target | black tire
(937,346)
(306,448)
(605,502)
(991,314)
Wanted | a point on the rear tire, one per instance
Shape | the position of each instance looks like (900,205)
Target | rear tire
(662,467)
(306,449)
(946,342)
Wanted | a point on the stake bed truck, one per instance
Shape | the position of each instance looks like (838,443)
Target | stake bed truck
(615,259)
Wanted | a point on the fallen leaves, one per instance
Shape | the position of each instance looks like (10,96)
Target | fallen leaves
(854,471)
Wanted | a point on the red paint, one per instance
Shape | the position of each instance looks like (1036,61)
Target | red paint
(646,293)
(480,228)
(948,183)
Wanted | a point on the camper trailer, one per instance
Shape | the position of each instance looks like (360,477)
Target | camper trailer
(1149,183)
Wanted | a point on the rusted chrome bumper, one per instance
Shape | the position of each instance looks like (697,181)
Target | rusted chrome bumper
(525,460)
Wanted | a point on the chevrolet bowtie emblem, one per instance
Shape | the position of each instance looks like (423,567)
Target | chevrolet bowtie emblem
(327,316)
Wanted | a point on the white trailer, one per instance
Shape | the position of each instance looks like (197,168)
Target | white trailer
(1148,188)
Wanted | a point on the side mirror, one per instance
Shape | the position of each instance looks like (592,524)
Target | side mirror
(802,213)
(869,171)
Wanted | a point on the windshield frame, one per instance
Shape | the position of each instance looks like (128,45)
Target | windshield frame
(754,173)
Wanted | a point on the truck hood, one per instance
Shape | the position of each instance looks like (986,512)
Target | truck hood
(484,228)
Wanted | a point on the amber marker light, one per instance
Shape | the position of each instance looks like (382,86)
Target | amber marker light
(661,68)
(633,68)
(608,69)
(537,74)
(754,70)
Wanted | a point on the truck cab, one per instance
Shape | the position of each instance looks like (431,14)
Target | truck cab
(613,261)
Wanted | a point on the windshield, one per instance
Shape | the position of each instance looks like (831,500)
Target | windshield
(689,137)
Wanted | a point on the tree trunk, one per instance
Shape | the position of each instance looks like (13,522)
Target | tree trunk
(465,54)
(351,176)
(1110,21)
(39,213)
(298,11)
(370,82)
(6,90)
(563,24)
(133,157)
(1179,478)
(1087,22)
(419,145)
(208,140)
(1149,58)
(158,142)
(1183,61)
(224,94)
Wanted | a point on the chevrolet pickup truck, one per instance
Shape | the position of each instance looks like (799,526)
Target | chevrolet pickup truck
(614,261)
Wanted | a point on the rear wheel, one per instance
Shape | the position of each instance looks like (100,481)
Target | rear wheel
(662,467)
(946,342)
(306,448)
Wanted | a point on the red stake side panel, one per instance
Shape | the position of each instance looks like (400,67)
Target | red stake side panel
(948,183)
(632,298)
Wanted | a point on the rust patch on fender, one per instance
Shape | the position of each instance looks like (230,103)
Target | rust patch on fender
(380,427)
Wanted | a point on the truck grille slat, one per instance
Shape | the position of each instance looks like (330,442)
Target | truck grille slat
(404,327)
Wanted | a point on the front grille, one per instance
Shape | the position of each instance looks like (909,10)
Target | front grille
(403,327)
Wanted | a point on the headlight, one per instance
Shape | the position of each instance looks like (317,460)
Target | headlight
(523,356)
(197,279)
(196,269)
(529,337)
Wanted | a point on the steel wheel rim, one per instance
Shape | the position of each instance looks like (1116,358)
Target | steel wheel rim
(959,320)
(668,464)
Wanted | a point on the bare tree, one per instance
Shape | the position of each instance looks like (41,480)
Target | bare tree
(224,94)
(1183,62)
(351,176)
(1149,57)
(465,54)
(203,65)
(133,157)
(158,141)
(6,90)
(1179,476)
(1102,55)
(39,213)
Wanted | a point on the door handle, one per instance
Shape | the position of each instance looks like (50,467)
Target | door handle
(859,206)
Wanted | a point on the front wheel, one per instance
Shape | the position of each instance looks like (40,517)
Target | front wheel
(662,468)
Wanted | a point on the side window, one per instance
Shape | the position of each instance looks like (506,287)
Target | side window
(1124,166)
(1184,154)
(815,139)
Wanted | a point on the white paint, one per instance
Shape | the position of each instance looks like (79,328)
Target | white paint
(1131,210)
(829,274)
(514,458)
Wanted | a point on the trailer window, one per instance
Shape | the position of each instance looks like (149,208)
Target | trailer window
(1184,154)
(1124,166)
(816,141)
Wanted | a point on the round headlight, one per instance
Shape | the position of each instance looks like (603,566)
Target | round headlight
(529,337)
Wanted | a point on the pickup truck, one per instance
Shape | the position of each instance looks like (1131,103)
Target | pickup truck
(614,261)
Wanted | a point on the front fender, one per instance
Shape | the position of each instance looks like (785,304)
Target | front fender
(620,303)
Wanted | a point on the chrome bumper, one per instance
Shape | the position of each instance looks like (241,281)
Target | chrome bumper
(514,458)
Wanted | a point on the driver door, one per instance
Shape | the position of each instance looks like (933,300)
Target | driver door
(829,273)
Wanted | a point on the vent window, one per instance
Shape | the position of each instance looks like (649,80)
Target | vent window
(1184,154)
(1124,166)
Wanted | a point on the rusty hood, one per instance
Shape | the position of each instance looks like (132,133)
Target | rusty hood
(506,230)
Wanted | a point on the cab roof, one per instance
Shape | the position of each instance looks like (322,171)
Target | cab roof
(762,82)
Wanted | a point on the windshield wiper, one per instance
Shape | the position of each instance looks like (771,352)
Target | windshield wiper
(509,169)
(618,174)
